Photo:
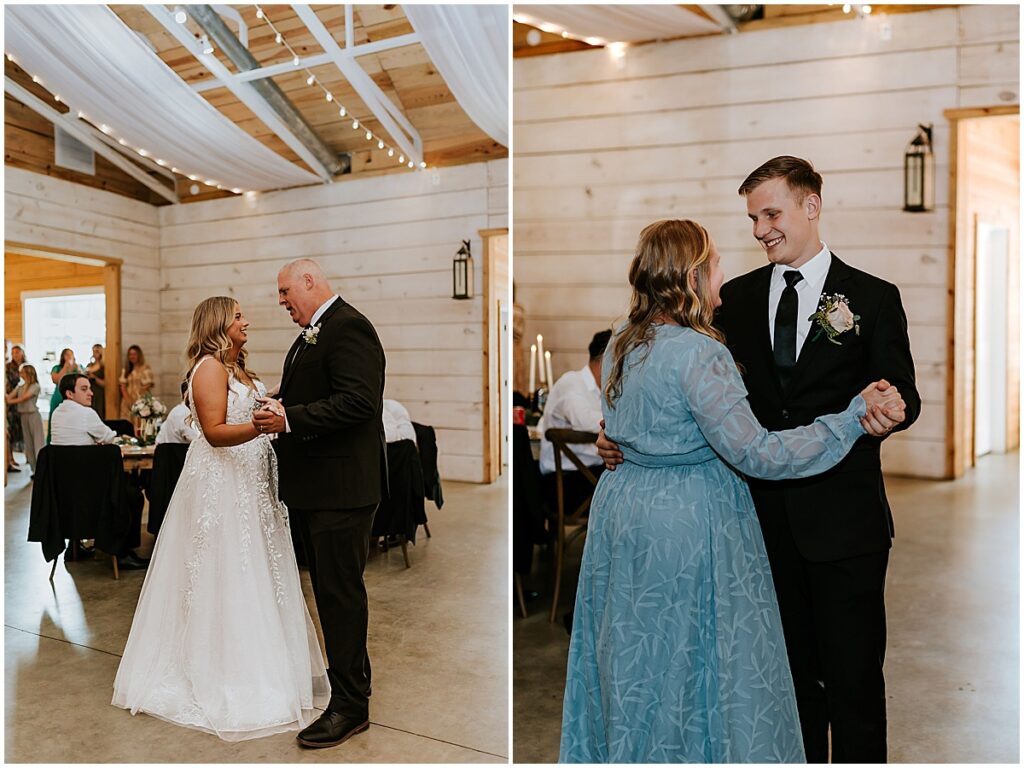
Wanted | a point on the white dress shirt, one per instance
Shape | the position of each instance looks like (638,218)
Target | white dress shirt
(397,424)
(808,292)
(573,403)
(323,308)
(175,428)
(74,424)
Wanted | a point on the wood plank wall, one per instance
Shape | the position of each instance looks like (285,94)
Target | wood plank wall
(605,147)
(30,273)
(387,245)
(52,213)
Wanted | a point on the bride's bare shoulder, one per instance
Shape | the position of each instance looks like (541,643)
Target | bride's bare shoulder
(209,377)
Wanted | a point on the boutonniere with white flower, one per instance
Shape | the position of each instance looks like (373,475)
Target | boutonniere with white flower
(309,334)
(834,318)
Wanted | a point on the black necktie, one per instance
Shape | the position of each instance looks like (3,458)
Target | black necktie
(785,327)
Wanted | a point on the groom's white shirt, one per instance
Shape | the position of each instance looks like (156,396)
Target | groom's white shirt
(808,292)
(323,308)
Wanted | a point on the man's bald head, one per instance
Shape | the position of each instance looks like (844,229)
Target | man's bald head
(301,288)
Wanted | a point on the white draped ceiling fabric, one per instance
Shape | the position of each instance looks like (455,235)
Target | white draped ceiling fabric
(619,23)
(98,66)
(469,46)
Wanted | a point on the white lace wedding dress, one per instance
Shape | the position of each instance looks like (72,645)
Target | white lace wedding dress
(222,640)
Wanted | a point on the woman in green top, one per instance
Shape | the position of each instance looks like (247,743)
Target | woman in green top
(67,365)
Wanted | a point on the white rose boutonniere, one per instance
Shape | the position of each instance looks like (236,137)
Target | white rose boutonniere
(834,318)
(309,334)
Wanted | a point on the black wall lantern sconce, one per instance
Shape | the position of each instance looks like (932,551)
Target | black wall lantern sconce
(919,172)
(462,273)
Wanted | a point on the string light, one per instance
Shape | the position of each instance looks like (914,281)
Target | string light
(107,130)
(311,80)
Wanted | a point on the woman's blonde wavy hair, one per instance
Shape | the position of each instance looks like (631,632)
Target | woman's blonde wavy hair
(209,336)
(665,255)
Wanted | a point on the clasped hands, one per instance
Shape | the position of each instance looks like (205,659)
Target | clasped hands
(268,418)
(885,410)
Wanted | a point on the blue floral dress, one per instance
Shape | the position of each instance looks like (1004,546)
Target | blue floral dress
(677,651)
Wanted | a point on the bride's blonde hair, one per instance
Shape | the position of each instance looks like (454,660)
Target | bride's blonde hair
(209,337)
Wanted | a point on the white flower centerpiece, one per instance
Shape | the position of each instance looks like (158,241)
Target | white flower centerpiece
(150,413)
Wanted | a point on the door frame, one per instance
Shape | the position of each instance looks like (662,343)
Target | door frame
(112,295)
(960,302)
(494,409)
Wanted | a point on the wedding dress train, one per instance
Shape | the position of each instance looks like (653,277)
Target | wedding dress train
(222,640)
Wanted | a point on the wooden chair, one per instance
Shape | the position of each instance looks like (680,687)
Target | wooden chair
(561,439)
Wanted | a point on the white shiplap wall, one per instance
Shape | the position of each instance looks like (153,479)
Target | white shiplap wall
(603,148)
(44,211)
(387,245)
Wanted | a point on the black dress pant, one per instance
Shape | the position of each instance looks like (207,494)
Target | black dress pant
(833,618)
(337,543)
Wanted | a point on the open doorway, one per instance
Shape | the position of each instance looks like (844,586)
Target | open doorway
(54,320)
(496,353)
(984,355)
(56,300)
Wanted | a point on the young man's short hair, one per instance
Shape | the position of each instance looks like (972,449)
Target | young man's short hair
(799,174)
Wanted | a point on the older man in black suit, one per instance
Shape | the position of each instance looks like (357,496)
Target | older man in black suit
(333,472)
(808,332)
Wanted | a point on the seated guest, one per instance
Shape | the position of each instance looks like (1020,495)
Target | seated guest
(76,423)
(574,402)
(177,427)
(397,424)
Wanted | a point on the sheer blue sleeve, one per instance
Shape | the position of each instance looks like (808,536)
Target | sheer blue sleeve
(718,402)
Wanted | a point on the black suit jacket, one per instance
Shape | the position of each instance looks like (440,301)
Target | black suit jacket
(335,456)
(843,512)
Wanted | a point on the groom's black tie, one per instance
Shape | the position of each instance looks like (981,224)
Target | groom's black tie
(785,327)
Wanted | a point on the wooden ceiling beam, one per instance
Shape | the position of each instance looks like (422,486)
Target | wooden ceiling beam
(245,92)
(213,25)
(391,118)
(72,126)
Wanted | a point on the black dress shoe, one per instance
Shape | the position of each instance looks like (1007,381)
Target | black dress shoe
(132,563)
(331,729)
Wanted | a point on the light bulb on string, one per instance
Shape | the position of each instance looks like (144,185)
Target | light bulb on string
(295,61)
(310,80)
(56,98)
(401,158)
(342,112)
(423,164)
(411,163)
(369,136)
(237,191)
(355,125)
(391,152)
(329,96)
(278,38)
(380,144)
(179,15)
(259,13)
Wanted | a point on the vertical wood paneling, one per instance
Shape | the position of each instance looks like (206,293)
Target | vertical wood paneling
(603,149)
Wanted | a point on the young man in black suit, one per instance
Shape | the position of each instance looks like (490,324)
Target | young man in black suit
(333,472)
(828,537)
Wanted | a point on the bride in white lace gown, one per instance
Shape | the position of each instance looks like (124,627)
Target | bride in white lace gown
(222,640)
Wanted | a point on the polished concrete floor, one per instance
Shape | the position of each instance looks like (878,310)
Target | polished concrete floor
(438,639)
(952,665)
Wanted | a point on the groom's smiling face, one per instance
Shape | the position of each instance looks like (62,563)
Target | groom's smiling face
(785,222)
